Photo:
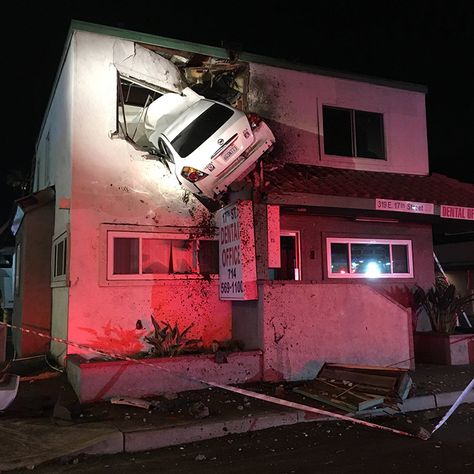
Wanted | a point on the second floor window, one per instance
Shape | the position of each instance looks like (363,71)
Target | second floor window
(355,133)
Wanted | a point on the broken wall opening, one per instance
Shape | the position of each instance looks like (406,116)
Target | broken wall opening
(144,76)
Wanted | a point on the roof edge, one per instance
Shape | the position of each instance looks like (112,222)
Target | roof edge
(244,56)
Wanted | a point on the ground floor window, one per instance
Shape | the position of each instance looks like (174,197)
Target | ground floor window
(369,258)
(147,255)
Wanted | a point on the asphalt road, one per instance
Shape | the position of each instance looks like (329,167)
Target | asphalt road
(329,447)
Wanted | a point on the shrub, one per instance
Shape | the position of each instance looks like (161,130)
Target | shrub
(442,305)
(169,341)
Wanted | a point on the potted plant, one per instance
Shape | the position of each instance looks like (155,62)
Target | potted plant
(443,306)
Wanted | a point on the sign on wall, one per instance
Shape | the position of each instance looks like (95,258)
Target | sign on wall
(457,212)
(237,268)
(404,206)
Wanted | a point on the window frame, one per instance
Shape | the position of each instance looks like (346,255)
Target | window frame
(143,277)
(353,128)
(60,279)
(350,240)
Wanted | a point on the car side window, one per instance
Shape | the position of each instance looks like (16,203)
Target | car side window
(164,150)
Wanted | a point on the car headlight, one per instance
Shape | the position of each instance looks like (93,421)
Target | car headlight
(192,174)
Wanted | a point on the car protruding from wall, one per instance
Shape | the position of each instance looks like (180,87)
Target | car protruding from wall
(209,145)
(207,140)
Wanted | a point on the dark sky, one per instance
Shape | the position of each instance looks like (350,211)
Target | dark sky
(428,42)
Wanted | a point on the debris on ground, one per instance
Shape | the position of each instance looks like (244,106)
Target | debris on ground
(198,410)
(134,402)
(356,389)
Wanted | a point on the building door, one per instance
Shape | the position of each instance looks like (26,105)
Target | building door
(290,268)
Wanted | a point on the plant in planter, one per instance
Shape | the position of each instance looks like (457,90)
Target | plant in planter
(441,345)
(169,341)
(442,305)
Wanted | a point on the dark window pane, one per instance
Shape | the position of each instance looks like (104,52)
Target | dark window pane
(125,256)
(337,131)
(339,258)
(209,256)
(400,258)
(370,259)
(59,258)
(369,135)
(200,129)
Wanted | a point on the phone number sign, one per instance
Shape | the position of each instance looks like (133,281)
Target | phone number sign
(237,272)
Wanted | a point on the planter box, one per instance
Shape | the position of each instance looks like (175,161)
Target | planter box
(101,380)
(446,349)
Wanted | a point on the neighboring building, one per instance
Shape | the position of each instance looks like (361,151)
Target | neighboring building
(343,208)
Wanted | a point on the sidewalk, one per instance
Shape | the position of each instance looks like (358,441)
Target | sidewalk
(46,422)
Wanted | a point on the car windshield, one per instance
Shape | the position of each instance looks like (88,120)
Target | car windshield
(199,130)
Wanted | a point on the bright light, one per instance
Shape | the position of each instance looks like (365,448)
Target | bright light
(373,270)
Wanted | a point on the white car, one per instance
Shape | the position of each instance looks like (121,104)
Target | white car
(209,144)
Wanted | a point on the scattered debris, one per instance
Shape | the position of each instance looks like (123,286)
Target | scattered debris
(423,434)
(356,389)
(199,410)
(200,457)
(135,402)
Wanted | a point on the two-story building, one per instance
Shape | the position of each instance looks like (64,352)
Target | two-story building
(341,211)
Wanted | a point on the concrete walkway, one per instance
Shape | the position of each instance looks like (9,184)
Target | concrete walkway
(45,423)
(148,439)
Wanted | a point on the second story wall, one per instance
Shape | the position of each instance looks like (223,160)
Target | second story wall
(53,150)
(111,177)
(295,101)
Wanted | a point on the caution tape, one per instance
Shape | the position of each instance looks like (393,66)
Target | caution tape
(229,388)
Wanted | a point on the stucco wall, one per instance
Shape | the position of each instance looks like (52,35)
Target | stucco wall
(114,183)
(53,167)
(305,325)
(315,229)
(293,100)
(32,306)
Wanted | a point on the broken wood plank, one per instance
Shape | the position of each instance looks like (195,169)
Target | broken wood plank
(321,398)
(345,398)
(134,402)
(358,377)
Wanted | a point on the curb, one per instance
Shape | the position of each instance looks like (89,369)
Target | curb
(147,440)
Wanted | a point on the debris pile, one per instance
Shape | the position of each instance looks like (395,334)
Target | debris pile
(357,389)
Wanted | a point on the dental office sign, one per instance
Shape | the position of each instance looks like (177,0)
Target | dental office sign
(237,268)
(457,212)
(404,206)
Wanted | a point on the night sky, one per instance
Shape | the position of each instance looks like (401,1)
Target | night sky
(425,42)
